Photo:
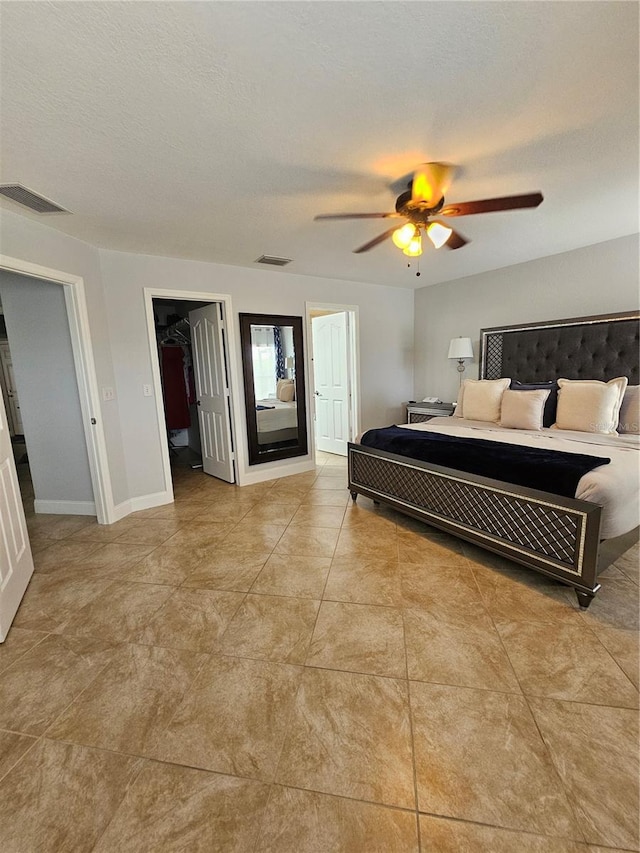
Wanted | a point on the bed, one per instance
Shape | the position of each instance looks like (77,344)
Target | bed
(556,535)
(276,420)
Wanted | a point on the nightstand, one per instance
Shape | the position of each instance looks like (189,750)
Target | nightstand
(419,412)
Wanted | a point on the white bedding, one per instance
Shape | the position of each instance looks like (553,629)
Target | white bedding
(615,486)
(281,416)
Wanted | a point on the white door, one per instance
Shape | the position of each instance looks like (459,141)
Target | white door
(16,562)
(13,406)
(212,391)
(331,381)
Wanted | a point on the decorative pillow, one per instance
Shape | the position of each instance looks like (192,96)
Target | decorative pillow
(589,405)
(630,411)
(287,393)
(282,382)
(457,412)
(550,406)
(523,409)
(482,399)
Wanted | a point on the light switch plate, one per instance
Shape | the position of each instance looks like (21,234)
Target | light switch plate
(147,390)
(108,394)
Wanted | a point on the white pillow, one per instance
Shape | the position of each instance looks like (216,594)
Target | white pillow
(457,412)
(287,392)
(483,398)
(588,405)
(523,409)
(630,411)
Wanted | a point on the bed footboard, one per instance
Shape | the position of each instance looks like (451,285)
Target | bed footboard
(554,535)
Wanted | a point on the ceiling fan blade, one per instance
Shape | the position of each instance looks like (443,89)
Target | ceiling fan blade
(376,240)
(355,215)
(456,240)
(490,205)
(431,182)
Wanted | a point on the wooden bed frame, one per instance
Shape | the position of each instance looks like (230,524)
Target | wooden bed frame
(554,535)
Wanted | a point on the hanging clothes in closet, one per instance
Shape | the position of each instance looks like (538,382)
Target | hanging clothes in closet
(176,396)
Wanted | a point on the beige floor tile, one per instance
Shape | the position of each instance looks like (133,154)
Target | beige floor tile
(480,757)
(338,484)
(150,531)
(617,605)
(12,748)
(566,661)
(40,684)
(272,513)
(252,536)
(224,511)
(361,542)
(308,541)
(178,808)
(359,638)
(306,822)
(325,498)
(61,797)
(269,627)
(455,836)
(349,735)
(61,554)
(459,649)
(131,701)
(429,548)
(167,564)
(181,510)
(192,619)
(318,516)
(233,571)
(624,648)
(375,518)
(58,526)
(112,559)
(18,641)
(52,599)
(234,718)
(199,534)
(103,533)
(440,589)
(301,577)
(595,750)
(364,580)
(629,564)
(119,612)
(520,596)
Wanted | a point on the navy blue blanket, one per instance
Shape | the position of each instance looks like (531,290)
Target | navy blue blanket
(263,408)
(548,470)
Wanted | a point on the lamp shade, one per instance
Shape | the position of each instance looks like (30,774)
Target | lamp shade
(460,348)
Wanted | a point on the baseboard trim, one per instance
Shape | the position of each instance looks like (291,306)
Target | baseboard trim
(64,507)
(125,508)
(274,471)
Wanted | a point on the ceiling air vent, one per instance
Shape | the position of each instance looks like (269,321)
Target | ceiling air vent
(274,262)
(27,198)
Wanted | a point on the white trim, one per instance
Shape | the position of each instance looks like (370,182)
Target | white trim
(65,507)
(237,427)
(267,472)
(79,329)
(144,502)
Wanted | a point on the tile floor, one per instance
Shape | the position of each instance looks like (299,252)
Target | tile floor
(274,668)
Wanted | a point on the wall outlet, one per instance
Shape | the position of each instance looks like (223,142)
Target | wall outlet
(147,390)
(108,394)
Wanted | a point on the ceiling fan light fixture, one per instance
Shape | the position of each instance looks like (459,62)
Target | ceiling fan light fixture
(415,246)
(438,233)
(402,237)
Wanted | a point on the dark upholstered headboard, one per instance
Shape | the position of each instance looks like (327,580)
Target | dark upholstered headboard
(601,347)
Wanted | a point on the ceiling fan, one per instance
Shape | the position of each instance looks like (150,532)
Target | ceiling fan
(422,201)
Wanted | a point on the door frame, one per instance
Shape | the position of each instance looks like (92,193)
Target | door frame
(151,293)
(353,361)
(78,317)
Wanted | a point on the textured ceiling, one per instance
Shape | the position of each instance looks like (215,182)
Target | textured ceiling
(217,130)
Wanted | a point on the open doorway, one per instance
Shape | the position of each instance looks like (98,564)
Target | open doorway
(191,376)
(333,332)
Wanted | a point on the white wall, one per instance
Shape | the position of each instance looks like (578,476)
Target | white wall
(593,280)
(38,332)
(386,340)
(28,240)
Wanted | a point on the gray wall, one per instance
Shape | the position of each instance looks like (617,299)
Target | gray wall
(38,333)
(593,280)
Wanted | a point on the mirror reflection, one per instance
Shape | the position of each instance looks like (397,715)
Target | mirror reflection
(274,386)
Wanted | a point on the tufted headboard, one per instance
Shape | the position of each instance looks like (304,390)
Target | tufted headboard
(601,347)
